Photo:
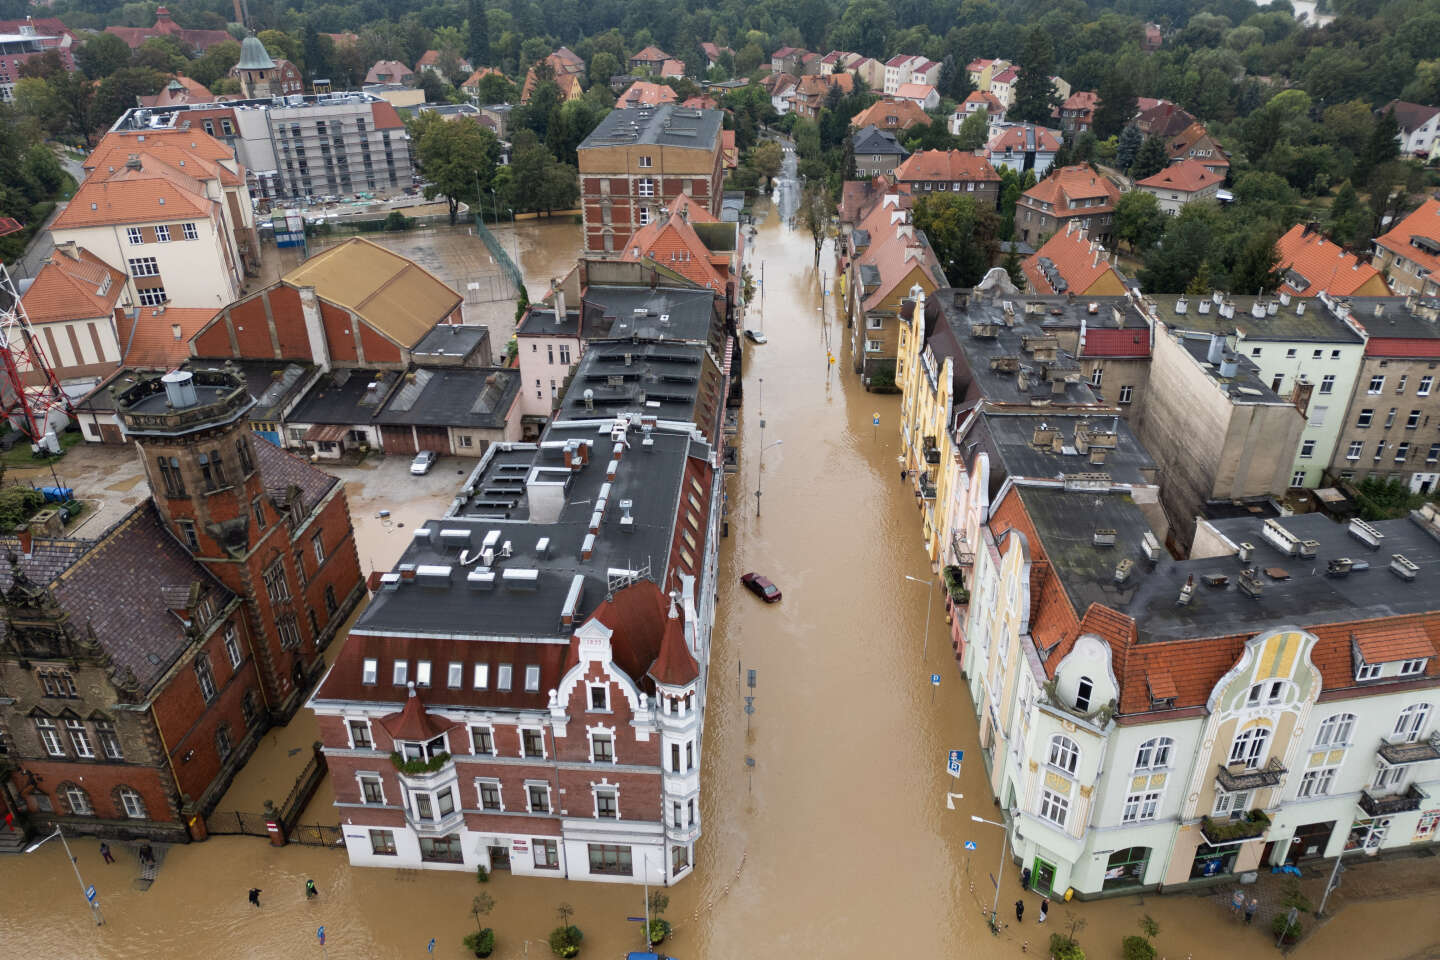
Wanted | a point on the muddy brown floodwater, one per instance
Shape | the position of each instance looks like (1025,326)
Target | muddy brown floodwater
(838,844)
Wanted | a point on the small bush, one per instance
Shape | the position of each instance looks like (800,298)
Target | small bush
(1137,948)
(1063,947)
(1283,928)
(481,944)
(397,221)
(565,941)
(481,874)
(659,930)
(17,504)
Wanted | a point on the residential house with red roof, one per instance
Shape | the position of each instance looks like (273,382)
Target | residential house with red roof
(702,102)
(812,90)
(951,171)
(389,71)
(713,53)
(1161,118)
(1023,146)
(643,93)
(1181,183)
(1071,263)
(1002,85)
(179,90)
(921,94)
(1075,193)
(1309,263)
(891,115)
(27,39)
(431,59)
(1419,127)
(570,85)
(172,210)
(1409,252)
(781,87)
(197,40)
(982,70)
(1077,112)
(1195,143)
(73,304)
(974,102)
(687,239)
(649,60)
(789,60)
(471,87)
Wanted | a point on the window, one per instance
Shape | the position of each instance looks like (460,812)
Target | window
(674,758)
(1275,383)
(646,187)
(539,795)
(1317,416)
(109,740)
(532,678)
(57,683)
(232,647)
(1433,454)
(1353,451)
(1307,449)
(1411,667)
(162,233)
(134,236)
(1412,722)
(482,676)
(446,800)
(1390,418)
(611,859)
(1249,747)
(1366,416)
(532,742)
(547,853)
(644,216)
(602,748)
(1367,671)
(455,676)
(1270,692)
(205,678)
(1054,807)
(1232,805)
(78,800)
(874,323)
(1141,806)
(222,740)
(276,586)
(1290,354)
(131,803)
(1377,383)
(367,673)
(318,548)
(1389,778)
(1127,393)
(1083,692)
(646,161)
(1423,388)
(371,791)
(191,233)
(679,860)
(424,806)
(1327,383)
(1316,783)
(1154,754)
(49,736)
(490,795)
(1400,386)
(79,738)
(1413,420)
(1334,354)
(502,681)
(360,735)
(690,812)
(874,346)
(153,297)
(1402,451)
(482,740)
(422,673)
(607,804)
(1064,755)
(1379,449)
(1097,375)
(1297,479)
(599,697)
(144,267)
(1335,731)
(690,755)
(382,843)
(564,353)
(401,672)
(1317,354)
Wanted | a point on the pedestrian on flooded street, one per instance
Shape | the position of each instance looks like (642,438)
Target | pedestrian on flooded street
(1237,904)
(1044,908)
(1019,910)
(255,896)
(1250,909)
(105,852)
(310,892)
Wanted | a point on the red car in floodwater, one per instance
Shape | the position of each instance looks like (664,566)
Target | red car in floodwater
(761,587)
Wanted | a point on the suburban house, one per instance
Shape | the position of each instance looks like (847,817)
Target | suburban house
(1161,118)
(891,115)
(197,40)
(876,152)
(781,87)
(72,305)
(974,102)
(922,94)
(903,69)
(1409,252)
(1023,146)
(1071,194)
(643,93)
(1419,127)
(1309,263)
(1002,85)
(981,71)
(179,89)
(953,171)
(789,60)
(812,90)
(1182,183)
(471,87)
(1194,143)
(713,54)
(1071,263)
(1077,112)
(649,60)
(389,71)
(430,60)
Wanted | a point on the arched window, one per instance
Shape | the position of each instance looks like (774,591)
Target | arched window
(1064,755)
(1412,722)
(1154,754)
(129,803)
(1335,731)
(1083,692)
(76,799)
(1249,747)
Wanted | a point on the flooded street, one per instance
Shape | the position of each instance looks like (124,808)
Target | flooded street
(837,843)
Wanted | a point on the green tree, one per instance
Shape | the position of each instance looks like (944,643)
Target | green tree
(41,107)
(1256,266)
(603,66)
(278,43)
(1139,221)
(1183,251)
(214,63)
(164,54)
(1128,147)
(1117,104)
(1034,91)
(974,131)
(962,233)
(1349,223)
(1382,147)
(494,88)
(118,91)
(814,215)
(102,54)
(1151,158)
(456,157)
(865,27)
(766,159)
(477,25)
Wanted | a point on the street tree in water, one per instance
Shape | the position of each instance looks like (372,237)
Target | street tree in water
(457,158)
(961,232)
(766,159)
(814,214)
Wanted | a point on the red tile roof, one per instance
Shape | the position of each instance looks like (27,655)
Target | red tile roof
(1187,176)
(914,91)
(386,116)
(1008,75)
(393,71)
(1386,641)
(907,113)
(196,152)
(1064,186)
(1325,265)
(899,60)
(1116,344)
(480,74)
(160,339)
(945,165)
(1423,224)
(1081,100)
(1184,141)
(69,288)
(1401,347)
(651,54)
(1079,260)
(984,99)
(673,243)
(674,665)
(1013,138)
(413,722)
(155,193)
(643,93)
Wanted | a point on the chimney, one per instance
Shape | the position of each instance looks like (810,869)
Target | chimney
(559,306)
(1187,591)
(22,533)
(315,329)
(1217,349)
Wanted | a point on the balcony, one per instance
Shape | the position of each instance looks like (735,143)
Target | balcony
(1236,778)
(1220,833)
(932,452)
(1396,754)
(1392,804)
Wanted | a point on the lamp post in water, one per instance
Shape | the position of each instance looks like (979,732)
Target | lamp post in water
(995,908)
(84,891)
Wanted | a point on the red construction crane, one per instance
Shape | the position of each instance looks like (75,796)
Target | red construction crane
(30,396)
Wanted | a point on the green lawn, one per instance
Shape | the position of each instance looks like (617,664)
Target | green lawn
(20,455)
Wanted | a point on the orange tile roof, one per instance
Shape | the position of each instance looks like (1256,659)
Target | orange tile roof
(1068,184)
(914,91)
(156,193)
(1306,254)
(1081,100)
(907,113)
(728,150)
(896,253)
(1386,641)
(160,339)
(672,68)
(1184,141)
(1080,261)
(1424,224)
(191,150)
(673,243)
(946,165)
(643,93)
(1013,138)
(70,288)
(651,53)
(481,74)
(988,101)
(385,115)
(1187,176)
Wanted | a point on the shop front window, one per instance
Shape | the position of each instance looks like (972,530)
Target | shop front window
(1212,861)
(1126,868)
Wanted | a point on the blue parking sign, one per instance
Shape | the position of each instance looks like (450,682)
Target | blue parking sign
(934,679)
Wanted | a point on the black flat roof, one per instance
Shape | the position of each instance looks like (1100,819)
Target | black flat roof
(661,313)
(660,379)
(668,125)
(345,396)
(453,397)
(1009,438)
(450,340)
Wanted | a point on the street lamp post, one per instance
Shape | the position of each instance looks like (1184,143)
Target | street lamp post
(760,470)
(930,593)
(94,907)
(1334,880)
(995,908)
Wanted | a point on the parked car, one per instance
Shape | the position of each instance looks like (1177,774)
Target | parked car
(423,461)
(755,336)
(761,587)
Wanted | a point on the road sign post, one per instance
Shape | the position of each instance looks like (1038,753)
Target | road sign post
(953,761)
(90,893)
(875,427)
(934,685)
(970,845)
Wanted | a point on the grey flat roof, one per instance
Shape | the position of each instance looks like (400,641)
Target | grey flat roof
(272,394)
(1396,319)
(453,397)
(1009,439)
(669,313)
(1245,387)
(451,340)
(649,477)
(656,378)
(1303,318)
(345,396)
(1066,522)
(668,125)
(539,320)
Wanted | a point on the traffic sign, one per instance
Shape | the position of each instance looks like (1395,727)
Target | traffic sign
(636,919)
(875,420)
(952,764)
(970,845)
(934,679)
(90,893)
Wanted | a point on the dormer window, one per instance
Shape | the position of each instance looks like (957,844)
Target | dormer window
(1367,671)
(1410,668)
(1083,693)
(1269,693)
